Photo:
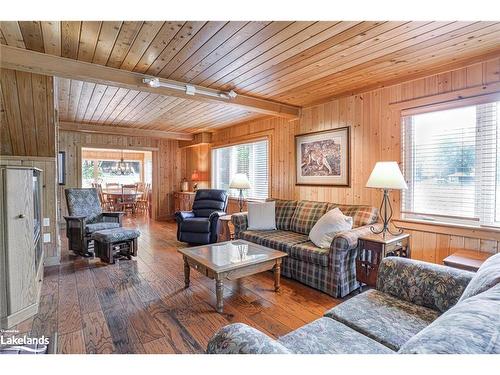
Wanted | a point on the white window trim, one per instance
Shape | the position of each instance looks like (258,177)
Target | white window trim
(268,139)
(408,168)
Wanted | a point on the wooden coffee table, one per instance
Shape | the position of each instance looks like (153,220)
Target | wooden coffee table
(231,260)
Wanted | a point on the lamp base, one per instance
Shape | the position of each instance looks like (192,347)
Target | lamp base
(241,200)
(386,208)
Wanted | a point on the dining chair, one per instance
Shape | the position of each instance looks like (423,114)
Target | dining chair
(144,200)
(128,200)
(112,185)
(106,203)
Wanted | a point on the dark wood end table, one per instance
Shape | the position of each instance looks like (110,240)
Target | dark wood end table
(374,247)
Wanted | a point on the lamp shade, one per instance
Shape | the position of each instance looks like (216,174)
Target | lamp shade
(386,175)
(240,181)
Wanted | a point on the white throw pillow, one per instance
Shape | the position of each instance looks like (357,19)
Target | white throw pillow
(261,216)
(327,226)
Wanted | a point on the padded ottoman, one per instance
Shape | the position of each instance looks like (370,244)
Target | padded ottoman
(116,241)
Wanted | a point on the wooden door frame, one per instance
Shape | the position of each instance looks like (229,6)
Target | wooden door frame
(155,178)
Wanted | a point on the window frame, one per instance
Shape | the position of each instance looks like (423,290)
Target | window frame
(242,141)
(407,147)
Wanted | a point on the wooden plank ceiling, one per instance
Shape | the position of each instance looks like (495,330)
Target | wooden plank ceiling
(297,63)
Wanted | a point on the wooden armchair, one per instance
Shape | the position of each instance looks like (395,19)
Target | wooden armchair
(85,217)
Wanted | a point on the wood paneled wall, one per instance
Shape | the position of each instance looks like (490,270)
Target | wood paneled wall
(375,136)
(28,137)
(27,114)
(166,164)
(196,158)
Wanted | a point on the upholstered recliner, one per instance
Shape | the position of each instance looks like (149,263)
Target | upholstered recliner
(200,226)
(86,217)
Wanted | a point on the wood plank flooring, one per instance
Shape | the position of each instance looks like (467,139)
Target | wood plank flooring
(141,306)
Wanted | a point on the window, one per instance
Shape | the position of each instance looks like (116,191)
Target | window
(99,166)
(451,160)
(102,171)
(249,158)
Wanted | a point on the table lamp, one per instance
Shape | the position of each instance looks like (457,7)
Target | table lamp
(240,181)
(386,176)
(195,177)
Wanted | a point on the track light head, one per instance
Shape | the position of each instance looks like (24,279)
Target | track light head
(152,82)
(190,90)
(231,94)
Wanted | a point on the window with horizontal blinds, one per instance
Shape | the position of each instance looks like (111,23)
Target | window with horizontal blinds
(451,163)
(248,158)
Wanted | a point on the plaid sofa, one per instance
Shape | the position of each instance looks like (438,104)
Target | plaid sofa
(332,270)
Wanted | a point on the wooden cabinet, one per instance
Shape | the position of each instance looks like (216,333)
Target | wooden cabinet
(21,251)
(183,201)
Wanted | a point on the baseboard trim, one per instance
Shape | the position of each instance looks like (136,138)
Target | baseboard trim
(51,261)
(11,320)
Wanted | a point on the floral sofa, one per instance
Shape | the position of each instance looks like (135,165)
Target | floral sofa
(417,307)
(332,270)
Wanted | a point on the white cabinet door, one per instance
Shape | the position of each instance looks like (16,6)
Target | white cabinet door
(20,257)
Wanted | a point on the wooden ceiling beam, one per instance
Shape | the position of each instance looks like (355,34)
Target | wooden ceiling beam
(122,130)
(36,62)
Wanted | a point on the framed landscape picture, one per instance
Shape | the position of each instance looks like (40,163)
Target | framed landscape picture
(322,158)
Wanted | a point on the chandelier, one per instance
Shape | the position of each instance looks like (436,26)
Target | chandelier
(122,168)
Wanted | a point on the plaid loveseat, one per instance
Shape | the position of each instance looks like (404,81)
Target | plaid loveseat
(332,270)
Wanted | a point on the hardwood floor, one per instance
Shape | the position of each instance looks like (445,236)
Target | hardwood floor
(141,306)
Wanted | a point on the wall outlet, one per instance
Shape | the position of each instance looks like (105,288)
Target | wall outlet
(46,221)
(46,237)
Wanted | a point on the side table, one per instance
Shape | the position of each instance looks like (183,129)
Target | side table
(373,248)
(225,233)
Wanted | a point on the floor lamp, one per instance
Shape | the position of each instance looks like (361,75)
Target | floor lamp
(386,176)
(240,182)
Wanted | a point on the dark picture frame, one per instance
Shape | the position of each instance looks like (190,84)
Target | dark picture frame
(61,168)
(318,164)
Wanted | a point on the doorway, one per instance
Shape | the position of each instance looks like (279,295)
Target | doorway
(118,173)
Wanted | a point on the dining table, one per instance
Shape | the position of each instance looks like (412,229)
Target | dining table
(114,195)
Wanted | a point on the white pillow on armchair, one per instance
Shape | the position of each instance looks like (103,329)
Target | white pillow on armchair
(261,216)
(327,226)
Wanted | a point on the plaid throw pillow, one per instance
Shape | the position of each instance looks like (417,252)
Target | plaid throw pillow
(306,215)
(361,215)
(284,213)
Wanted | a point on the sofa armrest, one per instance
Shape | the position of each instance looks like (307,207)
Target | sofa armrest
(183,215)
(240,222)
(348,240)
(239,338)
(425,284)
